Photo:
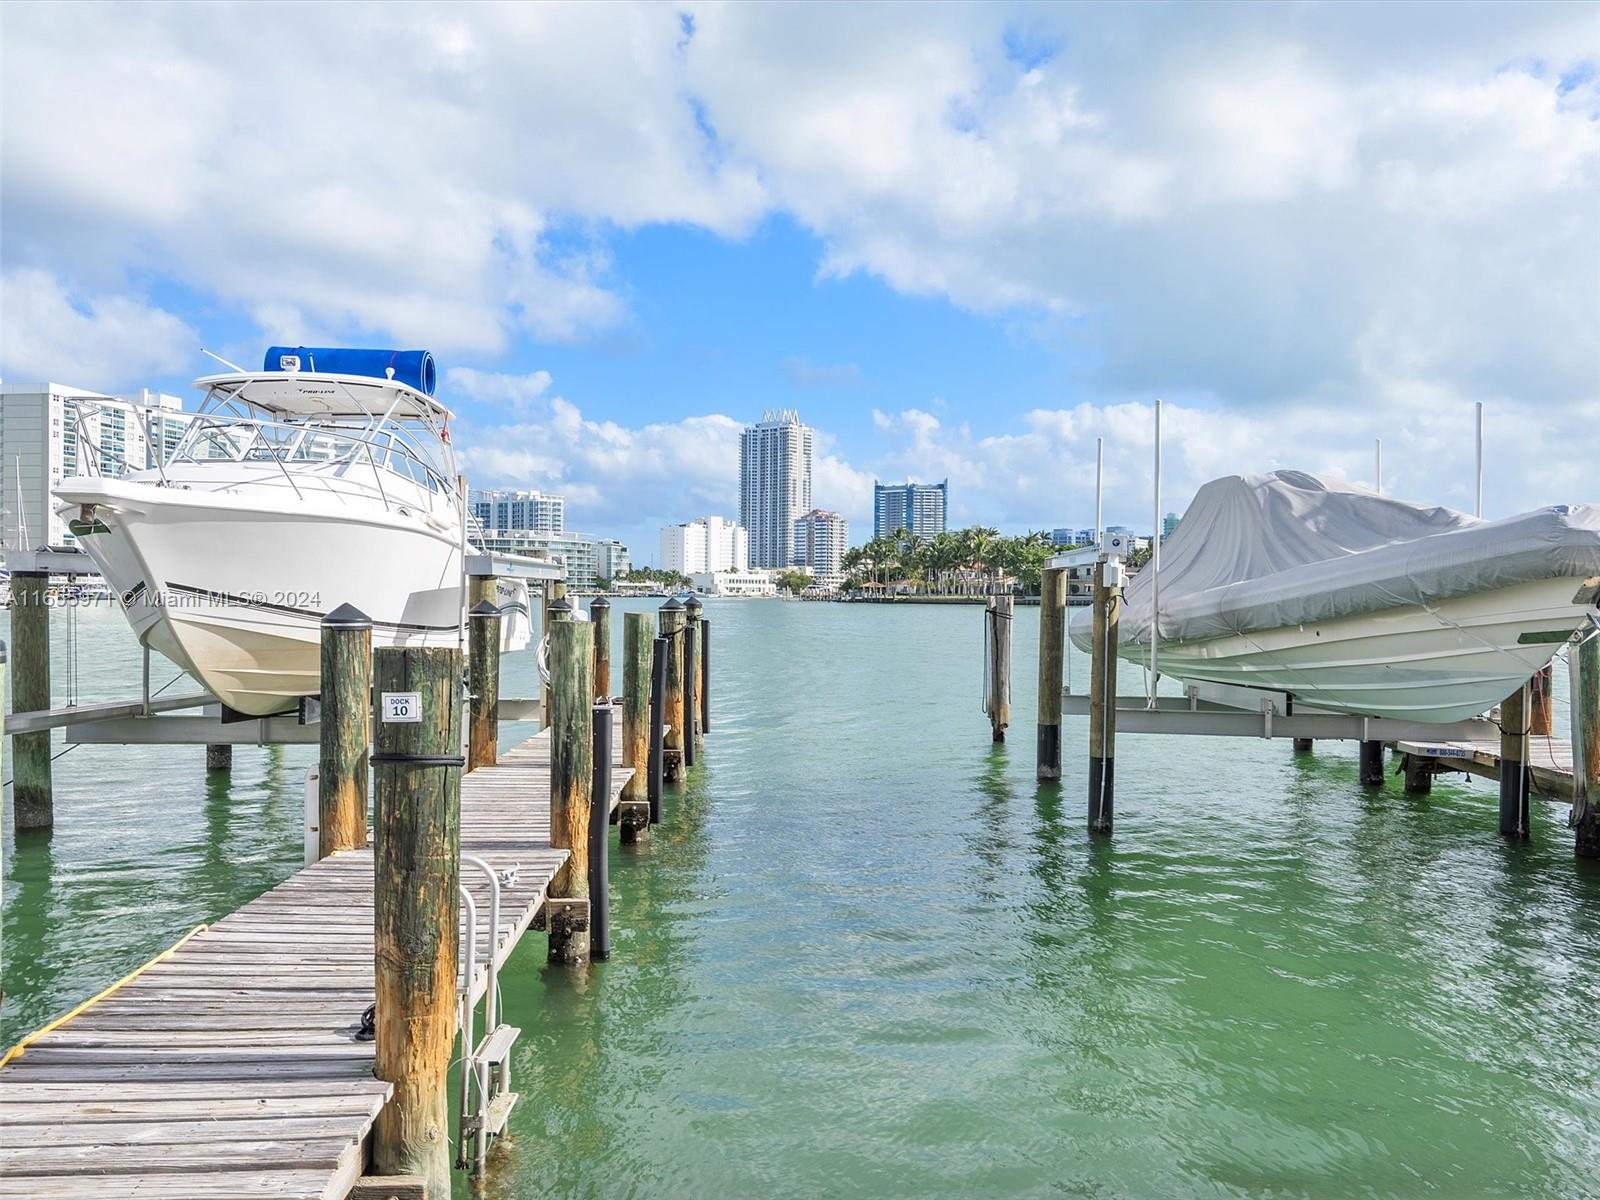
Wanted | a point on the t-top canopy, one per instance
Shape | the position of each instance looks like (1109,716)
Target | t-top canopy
(304,394)
(414,368)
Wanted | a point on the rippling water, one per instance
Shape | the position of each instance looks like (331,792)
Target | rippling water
(866,955)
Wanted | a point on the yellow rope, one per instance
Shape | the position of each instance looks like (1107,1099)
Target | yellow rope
(16,1051)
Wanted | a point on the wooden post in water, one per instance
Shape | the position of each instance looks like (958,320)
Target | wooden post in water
(1583,666)
(1370,764)
(555,590)
(660,649)
(571,780)
(600,833)
(1103,703)
(1514,763)
(1052,654)
(1302,745)
(483,683)
(671,616)
(1542,713)
(1419,775)
(600,618)
(694,673)
(32,797)
(633,812)
(997,664)
(345,727)
(416,851)
(691,671)
(219,758)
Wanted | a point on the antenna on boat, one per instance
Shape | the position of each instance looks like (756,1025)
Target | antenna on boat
(1377,465)
(1099,472)
(1477,510)
(223,361)
(1155,572)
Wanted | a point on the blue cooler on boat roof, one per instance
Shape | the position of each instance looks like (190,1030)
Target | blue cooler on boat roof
(414,368)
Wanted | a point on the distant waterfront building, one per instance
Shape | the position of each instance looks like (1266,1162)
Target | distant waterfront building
(705,544)
(917,507)
(588,560)
(1169,524)
(774,485)
(749,582)
(820,540)
(504,509)
(49,431)
(1065,536)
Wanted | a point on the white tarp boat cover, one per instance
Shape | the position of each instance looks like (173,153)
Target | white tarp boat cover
(1264,552)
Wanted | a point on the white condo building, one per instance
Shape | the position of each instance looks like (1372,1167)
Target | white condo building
(820,540)
(774,485)
(49,431)
(705,544)
(535,512)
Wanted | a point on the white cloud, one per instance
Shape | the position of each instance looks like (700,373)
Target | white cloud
(103,341)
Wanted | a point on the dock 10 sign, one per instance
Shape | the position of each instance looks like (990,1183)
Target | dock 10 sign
(402,708)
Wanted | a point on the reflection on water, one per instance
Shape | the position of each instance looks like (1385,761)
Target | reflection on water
(867,955)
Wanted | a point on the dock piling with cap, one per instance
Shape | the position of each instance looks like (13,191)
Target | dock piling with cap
(1103,700)
(1583,667)
(659,650)
(600,618)
(997,624)
(638,640)
(571,780)
(1514,712)
(693,673)
(416,873)
(600,833)
(672,622)
(345,729)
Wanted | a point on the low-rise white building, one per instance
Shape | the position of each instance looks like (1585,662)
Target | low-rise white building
(748,582)
(589,561)
(705,544)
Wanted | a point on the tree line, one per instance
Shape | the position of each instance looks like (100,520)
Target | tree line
(956,562)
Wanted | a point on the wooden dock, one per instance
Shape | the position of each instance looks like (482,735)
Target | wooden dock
(231,1069)
(1549,761)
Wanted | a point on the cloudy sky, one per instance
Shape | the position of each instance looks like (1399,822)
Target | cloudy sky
(964,241)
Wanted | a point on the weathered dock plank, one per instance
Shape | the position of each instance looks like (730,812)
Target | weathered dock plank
(1549,761)
(230,1069)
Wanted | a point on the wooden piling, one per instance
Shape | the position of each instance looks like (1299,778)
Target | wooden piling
(600,618)
(416,854)
(1419,775)
(633,812)
(1303,745)
(555,591)
(219,759)
(1103,703)
(1052,656)
(483,684)
(346,730)
(32,797)
(1513,763)
(571,780)
(600,832)
(1370,764)
(659,651)
(1585,696)
(691,669)
(671,616)
(1542,713)
(997,666)
(694,673)
(482,589)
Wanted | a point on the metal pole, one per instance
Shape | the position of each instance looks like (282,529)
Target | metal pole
(1155,574)
(1477,509)
(1099,475)
(599,830)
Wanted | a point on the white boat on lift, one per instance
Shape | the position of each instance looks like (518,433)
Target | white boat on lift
(1358,603)
(291,493)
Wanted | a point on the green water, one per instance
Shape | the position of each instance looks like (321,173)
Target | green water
(866,955)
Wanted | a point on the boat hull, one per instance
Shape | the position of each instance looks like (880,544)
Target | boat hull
(1447,662)
(235,592)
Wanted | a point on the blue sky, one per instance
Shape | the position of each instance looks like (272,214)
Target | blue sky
(963,240)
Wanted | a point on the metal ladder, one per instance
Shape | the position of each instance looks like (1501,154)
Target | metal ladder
(486,1095)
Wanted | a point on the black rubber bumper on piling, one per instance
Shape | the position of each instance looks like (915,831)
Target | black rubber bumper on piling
(1372,764)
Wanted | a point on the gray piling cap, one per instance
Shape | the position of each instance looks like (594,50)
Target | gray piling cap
(693,604)
(672,605)
(599,602)
(347,616)
(562,605)
(484,608)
